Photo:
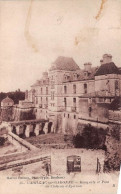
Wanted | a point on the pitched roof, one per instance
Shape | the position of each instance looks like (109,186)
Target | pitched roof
(81,75)
(64,63)
(7,100)
(108,68)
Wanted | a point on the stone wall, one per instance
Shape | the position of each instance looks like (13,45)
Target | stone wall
(92,110)
(115,115)
(7,114)
(106,82)
(24,114)
(69,123)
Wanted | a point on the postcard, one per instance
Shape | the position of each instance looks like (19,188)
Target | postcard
(60,96)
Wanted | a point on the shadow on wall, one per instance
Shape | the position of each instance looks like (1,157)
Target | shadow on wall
(28,115)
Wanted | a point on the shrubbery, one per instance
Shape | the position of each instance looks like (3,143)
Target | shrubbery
(90,138)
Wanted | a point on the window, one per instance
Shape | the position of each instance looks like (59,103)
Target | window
(41,90)
(36,100)
(75,76)
(64,115)
(52,104)
(90,110)
(85,88)
(85,74)
(47,90)
(74,116)
(116,85)
(74,102)
(52,95)
(65,103)
(68,115)
(74,89)
(47,101)
(65,89)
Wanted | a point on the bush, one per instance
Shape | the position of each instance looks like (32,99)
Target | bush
(91,138)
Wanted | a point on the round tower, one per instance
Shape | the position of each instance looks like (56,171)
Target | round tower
(7,109)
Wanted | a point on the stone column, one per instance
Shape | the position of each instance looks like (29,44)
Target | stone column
(45,129)
(27,131)
(31,127)
(10,128)
(37,129)
(52,128)
(18,130)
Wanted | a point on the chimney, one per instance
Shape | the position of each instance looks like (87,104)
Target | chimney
(87,67)
(107,58)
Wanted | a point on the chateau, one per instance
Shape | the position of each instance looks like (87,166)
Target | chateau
(72,108)
(67,96)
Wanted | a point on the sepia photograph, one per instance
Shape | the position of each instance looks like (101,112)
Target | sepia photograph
(60,96)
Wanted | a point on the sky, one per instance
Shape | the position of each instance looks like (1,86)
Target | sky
(33,33)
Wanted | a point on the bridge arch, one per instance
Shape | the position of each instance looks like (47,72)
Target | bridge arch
(50,127)
(14,129)
(42,129)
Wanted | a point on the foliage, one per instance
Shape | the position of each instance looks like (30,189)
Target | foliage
(15,96)
(90,138)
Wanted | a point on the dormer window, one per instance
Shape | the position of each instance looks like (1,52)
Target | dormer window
(75,76)
(85,73)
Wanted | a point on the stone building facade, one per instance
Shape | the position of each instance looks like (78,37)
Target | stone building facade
(67,95)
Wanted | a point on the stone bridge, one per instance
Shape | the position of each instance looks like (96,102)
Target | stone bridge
(28,128)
